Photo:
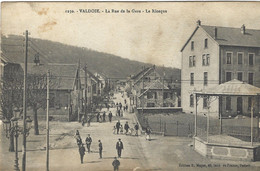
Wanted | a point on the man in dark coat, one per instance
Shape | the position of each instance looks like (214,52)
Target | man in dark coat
(117,126)
(120,105)
(98,117)
(116,164)
(100,147)
(126,127)
(88,142)
(104,116)
(119,147)
(110,116)
(82,152)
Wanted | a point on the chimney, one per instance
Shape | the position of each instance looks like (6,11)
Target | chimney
(198,22)
(216,33)
(243,29)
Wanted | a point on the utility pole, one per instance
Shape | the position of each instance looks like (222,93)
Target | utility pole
(143,92)
(86,90)
(163,88)
(25,102)
(47,121)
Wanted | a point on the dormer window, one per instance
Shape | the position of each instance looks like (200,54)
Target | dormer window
(206,43)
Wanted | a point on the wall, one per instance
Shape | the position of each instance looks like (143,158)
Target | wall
(198,70)
(245,68)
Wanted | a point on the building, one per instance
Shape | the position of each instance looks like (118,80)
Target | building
(148,89)
(65,90)
(93,86)
(213,55)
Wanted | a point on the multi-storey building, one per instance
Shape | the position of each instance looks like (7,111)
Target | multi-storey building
(213,55)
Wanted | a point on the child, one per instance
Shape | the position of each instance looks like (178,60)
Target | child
(121,129)
(114,130)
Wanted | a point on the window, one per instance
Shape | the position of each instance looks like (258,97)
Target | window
(165,95)
(203,60)
(228,76)
(155,95)
(191,79)
(206,43)
(205,102)
(191,100)
(150,105)
(228,103)
(149,95)
(205,78)
(192,45)
(229,58)
(240,76)
(240,58)
(192,61)
(208,59)
(251,58)
(251,78)
(249,103)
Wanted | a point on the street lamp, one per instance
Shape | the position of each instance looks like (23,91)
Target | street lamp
(14,129)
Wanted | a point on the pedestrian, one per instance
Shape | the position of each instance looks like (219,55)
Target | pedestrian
(118,112)
(126,107)
(114,130)
(108,107)
(119,147)
(117,106)
(82,152)
(78,138)
(121,129)
(116,164)
(126,127)
(125,101)
(98,117)
(120,105)
(100,147)
(88,142)
(148,133)
(110,116)
(121,113)
(136,129)
(104,116)
(117,126)
(83,120)
(88,120)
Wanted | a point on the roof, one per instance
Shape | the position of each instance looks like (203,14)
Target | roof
(233,37)
(143,73)
(66,73)
(231,88)
(154,85)
(140,73)
(5,58)
(228,36)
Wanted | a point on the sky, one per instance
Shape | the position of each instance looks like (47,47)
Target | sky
(147,37)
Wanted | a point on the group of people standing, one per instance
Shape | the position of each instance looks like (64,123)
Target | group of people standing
(88,140)
(118,128)
(102,118)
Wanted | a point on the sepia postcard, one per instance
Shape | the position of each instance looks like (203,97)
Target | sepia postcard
(131,86)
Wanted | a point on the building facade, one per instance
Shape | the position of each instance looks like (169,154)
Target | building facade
(214,55)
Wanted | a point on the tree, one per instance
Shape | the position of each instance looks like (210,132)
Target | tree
(11,98)
(37,94)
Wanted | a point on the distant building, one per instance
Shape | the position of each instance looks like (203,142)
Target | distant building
(148,89)
(213,55)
